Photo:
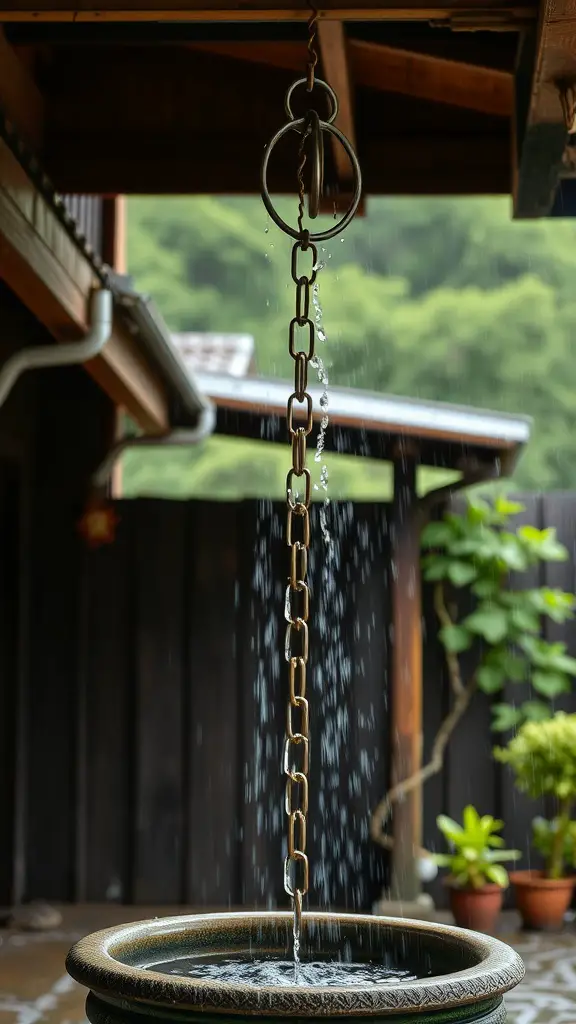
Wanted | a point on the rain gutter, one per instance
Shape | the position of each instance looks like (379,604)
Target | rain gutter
(192,415)
(186,399)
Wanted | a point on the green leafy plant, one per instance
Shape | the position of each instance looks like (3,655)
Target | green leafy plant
(543,759)
(477,550)
(477,850)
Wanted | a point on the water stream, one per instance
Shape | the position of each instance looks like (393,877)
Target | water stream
(322,371)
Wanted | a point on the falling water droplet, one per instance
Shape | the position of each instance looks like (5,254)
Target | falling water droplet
(322,374)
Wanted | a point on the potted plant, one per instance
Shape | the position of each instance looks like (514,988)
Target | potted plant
(476,877)
(543,758)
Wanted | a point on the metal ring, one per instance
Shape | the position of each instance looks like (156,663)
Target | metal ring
(317,81)
(319,236)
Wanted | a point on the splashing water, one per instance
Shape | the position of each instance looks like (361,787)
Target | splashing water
(273,970)
(320,367)
(262,783)
(346,869)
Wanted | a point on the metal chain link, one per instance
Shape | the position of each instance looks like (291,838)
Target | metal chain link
(301,342)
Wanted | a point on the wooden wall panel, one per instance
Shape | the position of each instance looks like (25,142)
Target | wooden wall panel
(516,809)
(10,513)
(368,609)
(159,535)
(212,765)
(107,677)
(155,744)
(73,423)
(263,683)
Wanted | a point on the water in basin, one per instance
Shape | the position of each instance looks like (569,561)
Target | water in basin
(244,969)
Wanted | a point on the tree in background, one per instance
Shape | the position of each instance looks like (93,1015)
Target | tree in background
(432,298)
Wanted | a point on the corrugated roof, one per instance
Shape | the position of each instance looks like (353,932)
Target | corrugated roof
(370,411)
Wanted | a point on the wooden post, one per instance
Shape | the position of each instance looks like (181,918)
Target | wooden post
(406,664)
(114,233)
(114,254)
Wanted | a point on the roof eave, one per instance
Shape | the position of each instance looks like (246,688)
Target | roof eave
(187,402)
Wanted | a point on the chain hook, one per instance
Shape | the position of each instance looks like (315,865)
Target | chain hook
(312,52)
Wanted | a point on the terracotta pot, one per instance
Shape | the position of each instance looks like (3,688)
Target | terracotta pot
(457,977)
(542,902)
(477,908)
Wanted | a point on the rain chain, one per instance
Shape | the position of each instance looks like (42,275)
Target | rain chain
(300,421)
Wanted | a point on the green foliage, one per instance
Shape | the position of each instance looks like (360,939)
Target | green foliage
(484,316)
(544,839)
(478,550)
(542,756)
(477,851)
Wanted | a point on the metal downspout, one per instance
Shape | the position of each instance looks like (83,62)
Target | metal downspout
(180,437)
(69,354)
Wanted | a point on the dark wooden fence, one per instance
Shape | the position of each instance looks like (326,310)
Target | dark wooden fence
(162,784)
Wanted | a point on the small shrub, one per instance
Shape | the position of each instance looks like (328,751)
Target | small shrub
(477,851)
(543,758)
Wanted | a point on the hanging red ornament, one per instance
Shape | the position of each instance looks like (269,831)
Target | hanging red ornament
(98,523)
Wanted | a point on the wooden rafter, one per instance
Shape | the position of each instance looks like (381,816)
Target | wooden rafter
(479,14)
(547,61)
(386,69)
(20,100)
(336,71)
(43,266)
(425,77)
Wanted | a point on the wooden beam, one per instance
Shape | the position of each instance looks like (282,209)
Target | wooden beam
(433,79)
(43,266)
(336,71)
(490,13)
(384,69)
(20,100)
(406,695)
(394,165)
(547,58)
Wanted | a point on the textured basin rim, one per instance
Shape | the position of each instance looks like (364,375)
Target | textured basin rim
(92,963)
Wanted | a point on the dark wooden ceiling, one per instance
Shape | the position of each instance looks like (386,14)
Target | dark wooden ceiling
(437,99)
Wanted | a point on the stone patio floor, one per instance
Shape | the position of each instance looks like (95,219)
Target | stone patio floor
(35,989)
